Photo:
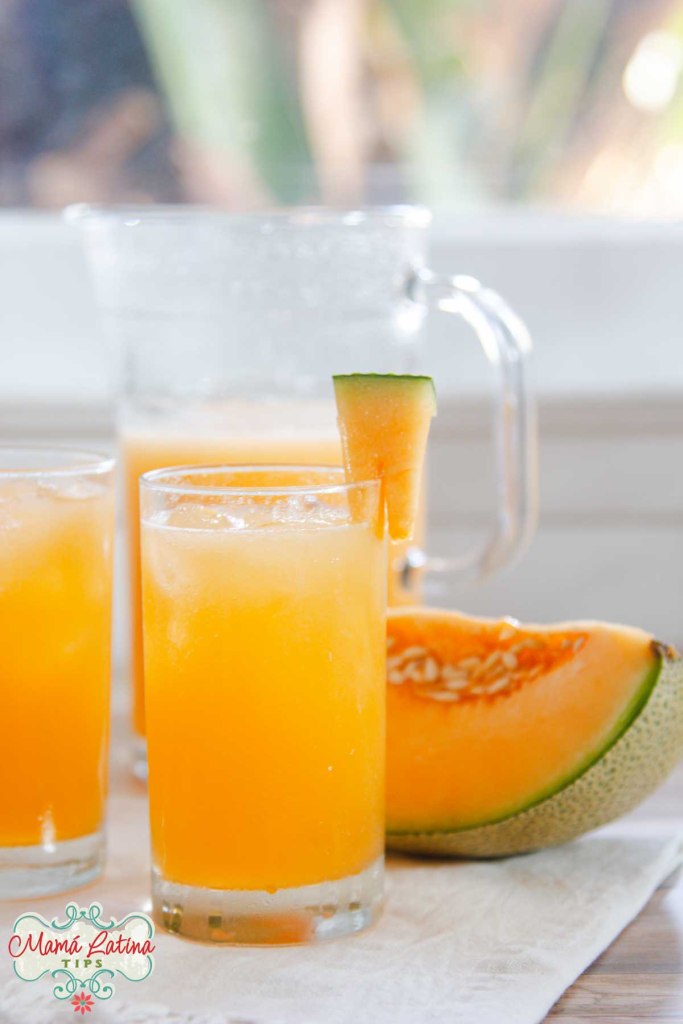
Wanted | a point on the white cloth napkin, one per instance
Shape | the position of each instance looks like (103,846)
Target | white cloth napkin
(459,943)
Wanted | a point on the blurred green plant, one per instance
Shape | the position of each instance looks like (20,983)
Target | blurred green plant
(229,91)
(436,149)
(462,101)
(558,90)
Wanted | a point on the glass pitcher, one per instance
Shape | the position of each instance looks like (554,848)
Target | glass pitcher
(230,326)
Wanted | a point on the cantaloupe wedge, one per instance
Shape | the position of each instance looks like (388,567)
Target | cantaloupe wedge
(384,424)
(504,738)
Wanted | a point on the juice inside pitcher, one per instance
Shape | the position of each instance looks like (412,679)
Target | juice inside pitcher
(234,432)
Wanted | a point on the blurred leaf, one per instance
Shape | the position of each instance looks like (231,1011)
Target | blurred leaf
(671,123)
(223,75)
(557,87)
(420,22)
(436,154)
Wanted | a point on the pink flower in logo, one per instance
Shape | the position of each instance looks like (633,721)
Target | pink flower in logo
(82,1003)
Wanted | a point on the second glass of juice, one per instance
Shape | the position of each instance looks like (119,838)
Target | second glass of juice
(264,602)
(56,536)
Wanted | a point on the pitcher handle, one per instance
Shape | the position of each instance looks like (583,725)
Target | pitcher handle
(507,345)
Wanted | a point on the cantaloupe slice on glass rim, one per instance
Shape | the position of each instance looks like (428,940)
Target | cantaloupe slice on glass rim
(384,422)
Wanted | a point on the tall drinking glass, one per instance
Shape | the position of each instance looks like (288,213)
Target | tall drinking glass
(56,527)
(264,601)
(229,329)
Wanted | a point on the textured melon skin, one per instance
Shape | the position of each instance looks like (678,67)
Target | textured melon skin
(632,768)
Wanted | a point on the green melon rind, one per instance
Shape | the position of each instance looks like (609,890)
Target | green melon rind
(632,768)
(391,377)
(351,380)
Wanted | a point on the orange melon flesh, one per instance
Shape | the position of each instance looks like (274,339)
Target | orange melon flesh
(487,718)
(384,423)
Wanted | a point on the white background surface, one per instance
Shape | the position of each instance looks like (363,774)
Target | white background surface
(603,301)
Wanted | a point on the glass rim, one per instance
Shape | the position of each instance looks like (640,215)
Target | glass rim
(153,480)
(391,215)
(77,461)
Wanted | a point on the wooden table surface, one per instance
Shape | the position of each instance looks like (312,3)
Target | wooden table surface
(640,976)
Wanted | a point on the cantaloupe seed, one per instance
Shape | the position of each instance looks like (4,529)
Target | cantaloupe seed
(500,671)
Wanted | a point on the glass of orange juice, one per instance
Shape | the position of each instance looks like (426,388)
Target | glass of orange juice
(264,601)
(56,535)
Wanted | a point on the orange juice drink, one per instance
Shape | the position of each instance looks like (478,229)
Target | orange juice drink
(264,597)
(56,525)
(236,433)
